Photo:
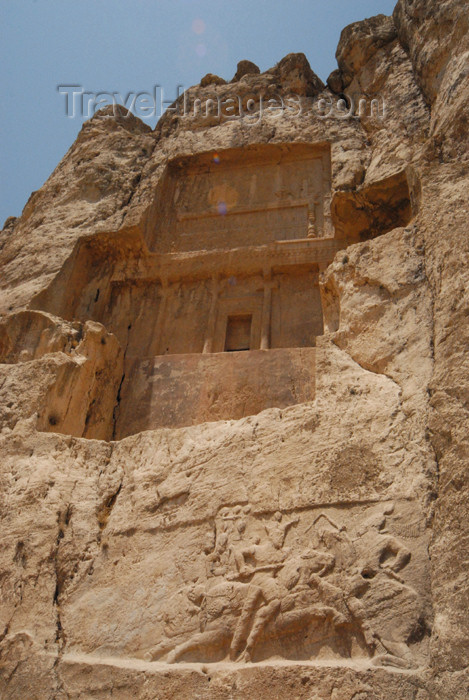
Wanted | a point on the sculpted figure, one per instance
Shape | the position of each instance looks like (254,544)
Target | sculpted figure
(261,604)
(236,615)
(219,608)
(264,592)
(276,530)
(230,530)
(297,599)
(392,608)
(336,590)
(289,601)
(378,602)
(257,557)
(217,559)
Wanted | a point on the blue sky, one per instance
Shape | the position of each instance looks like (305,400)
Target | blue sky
(130,46)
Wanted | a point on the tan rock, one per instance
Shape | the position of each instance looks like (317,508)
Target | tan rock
(360,41)
(433,34)
(212,79)
(245,68)
(295,72)
(335,83)
(234,387)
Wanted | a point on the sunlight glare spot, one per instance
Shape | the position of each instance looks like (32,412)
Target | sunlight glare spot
(198,26)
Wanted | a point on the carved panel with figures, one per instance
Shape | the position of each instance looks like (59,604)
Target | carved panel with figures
(323,583)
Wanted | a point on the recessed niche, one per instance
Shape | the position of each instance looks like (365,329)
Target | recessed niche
(238,333)
(217,317)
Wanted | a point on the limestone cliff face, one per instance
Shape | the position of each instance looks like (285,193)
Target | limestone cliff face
(315,549)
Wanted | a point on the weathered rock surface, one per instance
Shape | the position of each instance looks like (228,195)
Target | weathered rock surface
(212,79)
(245,68)
(360,41)
(314,550)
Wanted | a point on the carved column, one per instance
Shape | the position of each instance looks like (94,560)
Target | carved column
(328,229)
(313,231)
(266,311)
(156,345)
(212,317)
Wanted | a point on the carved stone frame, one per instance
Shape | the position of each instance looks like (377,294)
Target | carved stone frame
(237,307)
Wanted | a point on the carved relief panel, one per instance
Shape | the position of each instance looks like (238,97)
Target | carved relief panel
(314,584)
(244,197)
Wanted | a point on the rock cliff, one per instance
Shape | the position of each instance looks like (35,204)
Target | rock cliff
(316,549)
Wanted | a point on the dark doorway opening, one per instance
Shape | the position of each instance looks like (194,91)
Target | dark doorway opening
(238,333)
